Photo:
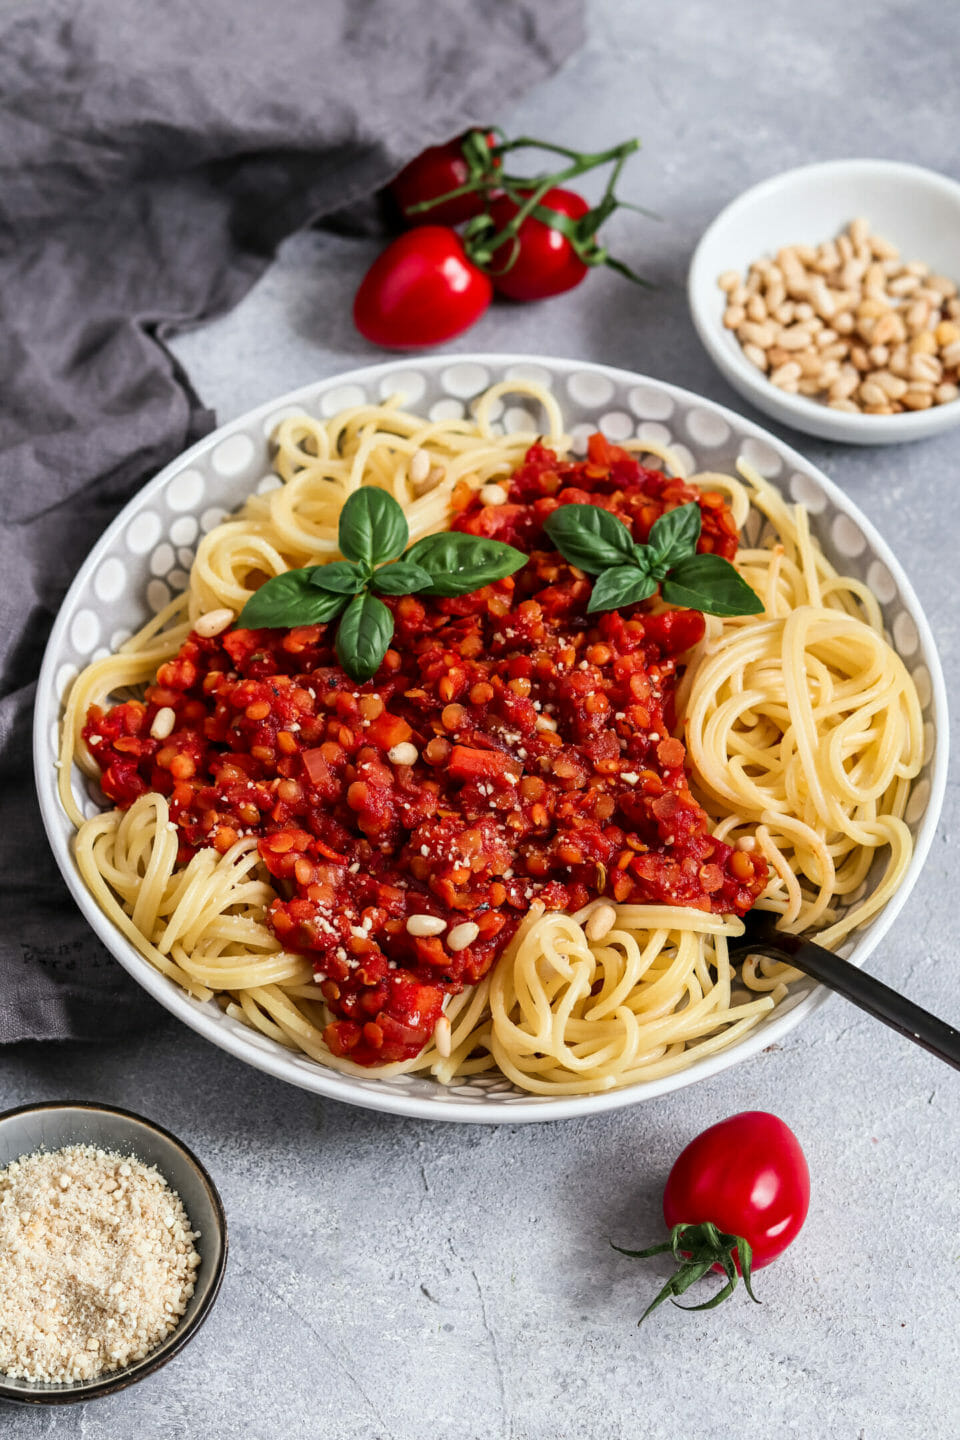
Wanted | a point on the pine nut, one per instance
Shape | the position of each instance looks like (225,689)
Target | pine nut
(872,394)
(843,323)
(952,308)
(848,406)
(917,400)
(762,335)
(893,386)
(823,301)
(403,753)
(811,363)
(794,337)
(917,267)
(852,274)
(844,248)
(837,351)
(600,922)
(776,292)
(729,280)
(829,373)
(809,386)
(756,308)
(214,622)
(951,355)
(734,316)
(924,344)
(739,296)
(917,316)
(844,386)
(756,355)
(441,1037)
(903,285)
(860,357)
(947,333)
(883,249)
(786,375)
(493,494)
(825,337)
(879,355)
(419,466)
(804,311)
(942,285)
(945,393)
(785,312)
(546,722)
(859,230)
(889,327)
(462,935)
(925,367)
(163,723)
(422,925)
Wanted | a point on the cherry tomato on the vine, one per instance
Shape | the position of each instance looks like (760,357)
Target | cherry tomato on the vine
(736,1197)
(544,260)
(749,1177)
(421,290)
(437,171)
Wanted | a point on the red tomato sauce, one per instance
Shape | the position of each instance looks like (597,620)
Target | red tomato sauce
(545,767)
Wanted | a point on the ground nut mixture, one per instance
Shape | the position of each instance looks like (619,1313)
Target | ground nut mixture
(850,323)
(97,1263)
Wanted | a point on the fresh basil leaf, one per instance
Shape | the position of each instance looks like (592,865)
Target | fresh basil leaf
(363,636)
(675,534)
(622,585)
(401,578)
(287,600)
(711,584)
(339,576)
(458,564)
(373,527)
(590,538)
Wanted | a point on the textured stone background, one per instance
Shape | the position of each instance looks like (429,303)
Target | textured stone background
(397,1279)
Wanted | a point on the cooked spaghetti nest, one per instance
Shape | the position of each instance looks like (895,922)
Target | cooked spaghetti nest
(803,733)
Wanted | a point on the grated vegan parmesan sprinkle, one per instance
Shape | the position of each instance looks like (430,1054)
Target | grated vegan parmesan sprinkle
(97,1263)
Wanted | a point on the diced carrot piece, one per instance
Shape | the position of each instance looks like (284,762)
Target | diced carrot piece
(469,764)
(388,730)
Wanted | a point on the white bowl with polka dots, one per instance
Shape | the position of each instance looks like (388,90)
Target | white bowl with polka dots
(917,209)
(144,557)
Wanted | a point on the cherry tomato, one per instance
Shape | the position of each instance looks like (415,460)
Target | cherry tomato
(440,169)
(421,290)
(546,262)
(748,1176)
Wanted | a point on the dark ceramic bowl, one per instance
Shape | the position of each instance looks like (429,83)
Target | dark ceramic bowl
(51,1126)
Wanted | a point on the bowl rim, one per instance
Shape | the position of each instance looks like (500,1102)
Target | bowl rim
(70,1392)
(802,411)
(334,1084)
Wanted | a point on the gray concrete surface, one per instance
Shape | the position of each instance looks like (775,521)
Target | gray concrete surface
(397,1279)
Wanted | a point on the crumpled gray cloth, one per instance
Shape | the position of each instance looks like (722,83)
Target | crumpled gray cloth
(152,156)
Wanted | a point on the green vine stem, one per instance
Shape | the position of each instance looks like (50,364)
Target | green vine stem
(482,241)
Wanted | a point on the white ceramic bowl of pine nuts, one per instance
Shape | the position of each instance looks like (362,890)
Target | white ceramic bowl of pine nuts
(828,297)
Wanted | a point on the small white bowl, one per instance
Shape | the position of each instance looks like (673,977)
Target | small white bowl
(917,209)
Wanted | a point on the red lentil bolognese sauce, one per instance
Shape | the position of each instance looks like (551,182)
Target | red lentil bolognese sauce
(510,749)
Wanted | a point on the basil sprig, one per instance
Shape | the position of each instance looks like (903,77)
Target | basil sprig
(373,535)
(599,543)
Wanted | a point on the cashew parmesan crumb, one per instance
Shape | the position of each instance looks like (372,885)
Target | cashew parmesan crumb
(97,1263)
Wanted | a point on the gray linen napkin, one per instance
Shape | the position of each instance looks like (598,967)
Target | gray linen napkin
(151,159)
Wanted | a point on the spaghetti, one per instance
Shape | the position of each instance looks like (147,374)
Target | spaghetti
(802,730)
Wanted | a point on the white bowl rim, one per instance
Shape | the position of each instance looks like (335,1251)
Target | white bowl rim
(801,411)
(333,1083)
